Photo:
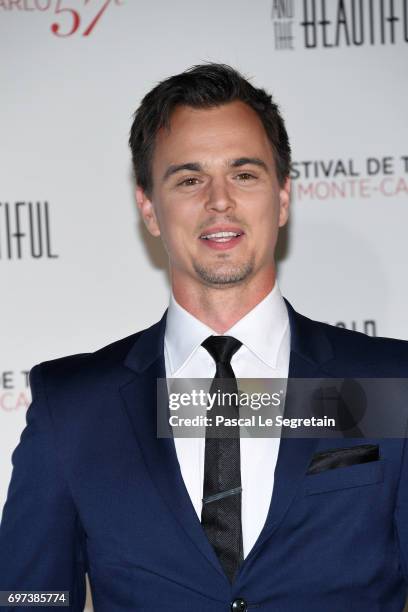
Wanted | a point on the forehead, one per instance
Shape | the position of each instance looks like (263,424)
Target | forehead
(232,129)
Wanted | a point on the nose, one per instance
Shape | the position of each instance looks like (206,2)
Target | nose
(219,196)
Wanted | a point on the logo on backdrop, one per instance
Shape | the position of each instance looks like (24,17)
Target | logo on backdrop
(319,24)
(367,326)
(333,179)
(14,390)
(25,231)
(69,17)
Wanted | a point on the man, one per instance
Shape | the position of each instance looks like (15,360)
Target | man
(193,524)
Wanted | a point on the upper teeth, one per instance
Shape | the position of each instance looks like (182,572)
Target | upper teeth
(221,235)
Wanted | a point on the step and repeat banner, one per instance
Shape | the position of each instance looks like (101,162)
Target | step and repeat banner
(77,268)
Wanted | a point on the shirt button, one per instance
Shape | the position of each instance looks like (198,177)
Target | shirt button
(239,605)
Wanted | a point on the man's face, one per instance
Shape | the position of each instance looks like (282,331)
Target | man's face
(216,200)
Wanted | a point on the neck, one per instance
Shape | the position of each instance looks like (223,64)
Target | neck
(220,308)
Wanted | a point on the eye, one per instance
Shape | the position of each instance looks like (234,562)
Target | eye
(190,180)
(245,176)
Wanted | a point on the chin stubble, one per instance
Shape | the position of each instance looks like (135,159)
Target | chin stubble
(235,274)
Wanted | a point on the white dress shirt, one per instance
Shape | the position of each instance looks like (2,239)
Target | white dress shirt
(265,336)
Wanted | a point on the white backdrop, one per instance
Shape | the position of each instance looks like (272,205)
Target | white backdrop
(73,253)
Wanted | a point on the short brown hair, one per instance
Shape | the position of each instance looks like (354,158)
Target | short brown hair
(202,86)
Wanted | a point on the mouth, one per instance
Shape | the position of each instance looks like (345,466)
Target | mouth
(222,238)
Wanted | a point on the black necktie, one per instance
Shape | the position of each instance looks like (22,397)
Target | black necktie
(221,511)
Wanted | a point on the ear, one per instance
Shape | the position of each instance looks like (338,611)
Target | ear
(284,201)
(146,208)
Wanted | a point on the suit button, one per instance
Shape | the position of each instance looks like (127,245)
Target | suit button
(239,605)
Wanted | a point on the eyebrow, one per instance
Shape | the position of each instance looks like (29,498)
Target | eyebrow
(174,168)
(197,167)
(243,161)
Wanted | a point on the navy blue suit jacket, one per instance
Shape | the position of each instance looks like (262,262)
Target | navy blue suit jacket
(93,490)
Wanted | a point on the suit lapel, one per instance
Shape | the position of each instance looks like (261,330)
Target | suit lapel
(310,350)
(147,359)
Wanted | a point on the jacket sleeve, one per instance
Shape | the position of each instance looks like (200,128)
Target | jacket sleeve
(401,513)
(41,538)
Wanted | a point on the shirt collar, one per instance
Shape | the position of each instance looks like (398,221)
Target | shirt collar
(261,330)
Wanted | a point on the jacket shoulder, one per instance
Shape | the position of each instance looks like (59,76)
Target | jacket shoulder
(77,369)
(349,338)
(382,356)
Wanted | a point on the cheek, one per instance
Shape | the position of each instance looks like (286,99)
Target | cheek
(183,215)
(265,219)
(177,228)
(268,236)
(264,232)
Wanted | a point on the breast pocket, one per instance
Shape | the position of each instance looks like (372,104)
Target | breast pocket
(360,475)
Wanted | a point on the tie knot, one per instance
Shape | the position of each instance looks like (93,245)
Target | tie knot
(221,348)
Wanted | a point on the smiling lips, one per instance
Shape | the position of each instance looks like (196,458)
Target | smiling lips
(221,238)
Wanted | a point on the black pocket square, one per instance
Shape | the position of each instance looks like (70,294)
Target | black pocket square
(343,457)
